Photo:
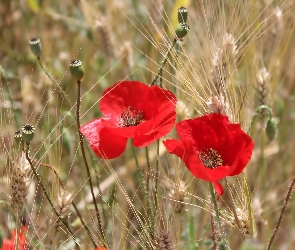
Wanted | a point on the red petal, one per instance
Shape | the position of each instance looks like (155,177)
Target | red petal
(7,245)
(129,93)
(176,147)
(208,131)
(128,132)
(104,143)
(164,120)
(241,148)
(218,188)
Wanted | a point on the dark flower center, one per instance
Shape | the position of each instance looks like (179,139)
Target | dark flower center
(130,117)
(28,129)
(210,158)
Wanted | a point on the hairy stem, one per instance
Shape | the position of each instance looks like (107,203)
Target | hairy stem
(74,205)
(282,214)
(47,196)
(60,90)
(145,192)
(104,237)
(148,186)
(142,182)
(217,211)
(160,73)
(249,205)
(256,114)
(156,179)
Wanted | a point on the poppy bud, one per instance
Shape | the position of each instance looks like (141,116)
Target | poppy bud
(35,46)
(76,69)
(181,30)
(271,129)
(28,132)
(18,137)
(182,14)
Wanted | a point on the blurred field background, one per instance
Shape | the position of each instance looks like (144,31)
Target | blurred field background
(119,40)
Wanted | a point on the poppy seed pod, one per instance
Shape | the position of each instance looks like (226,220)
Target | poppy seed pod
(181,30)
(271,129)
(18,137)
(182,14)
(35,46)
(28,132)
(76,69)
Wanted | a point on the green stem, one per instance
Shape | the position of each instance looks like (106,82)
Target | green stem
(256,114)
(160,73)
(282,214)
(55,83)
(148,187)
(81,142)
(47,196)
(142,181)
(216,210)
(74,205)
(156,179)
(250,214)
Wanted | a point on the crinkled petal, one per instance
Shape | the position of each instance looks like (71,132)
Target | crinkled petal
(241,148)
(103,142)
(164,120)
(176,147)
(208,131)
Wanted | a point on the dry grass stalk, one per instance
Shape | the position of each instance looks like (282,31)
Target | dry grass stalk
(178,196)
(63,203)
(263,78)
(163,240)
(244,222)
(105,39)
(19,183)
(223,60)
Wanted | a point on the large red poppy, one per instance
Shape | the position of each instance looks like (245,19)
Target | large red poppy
(131,109)
(211,148)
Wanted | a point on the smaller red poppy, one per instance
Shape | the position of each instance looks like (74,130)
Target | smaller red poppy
(7,245)
(131,109)
(22,240)
(211,148)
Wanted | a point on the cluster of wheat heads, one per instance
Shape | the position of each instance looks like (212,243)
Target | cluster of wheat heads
(237,60)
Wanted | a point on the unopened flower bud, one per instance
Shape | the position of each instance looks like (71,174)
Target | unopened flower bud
(181,30)
(271,129)
(35,46)
(182,14)
(18,137)
(76,69)
(28,132)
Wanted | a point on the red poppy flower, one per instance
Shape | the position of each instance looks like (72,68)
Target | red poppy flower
(211,148)
(7,245)
(22,241)
(131,109)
